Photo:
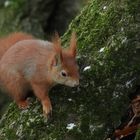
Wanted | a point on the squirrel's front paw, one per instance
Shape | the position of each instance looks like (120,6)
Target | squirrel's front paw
(47,108)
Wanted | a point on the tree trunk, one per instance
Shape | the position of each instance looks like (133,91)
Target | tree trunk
(109,57)
(40,17)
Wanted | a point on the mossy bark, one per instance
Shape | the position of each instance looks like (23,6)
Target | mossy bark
(109,47)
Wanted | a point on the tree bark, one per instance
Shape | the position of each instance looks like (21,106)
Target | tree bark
(108,34)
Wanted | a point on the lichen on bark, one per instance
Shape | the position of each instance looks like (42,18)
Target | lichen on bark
(108,43)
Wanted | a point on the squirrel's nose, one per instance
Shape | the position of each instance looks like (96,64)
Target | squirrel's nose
(76,83)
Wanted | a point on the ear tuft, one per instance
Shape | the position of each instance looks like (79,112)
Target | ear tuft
(58,50)
(57,43)
(73,43)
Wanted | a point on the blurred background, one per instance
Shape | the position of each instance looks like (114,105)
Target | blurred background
(38,17)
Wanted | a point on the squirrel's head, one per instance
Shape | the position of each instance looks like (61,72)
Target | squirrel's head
(64,69)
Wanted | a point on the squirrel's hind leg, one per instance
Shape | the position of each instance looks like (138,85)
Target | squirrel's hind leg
(23,104)
(17,90)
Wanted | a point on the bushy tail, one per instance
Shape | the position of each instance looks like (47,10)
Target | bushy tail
(7,42)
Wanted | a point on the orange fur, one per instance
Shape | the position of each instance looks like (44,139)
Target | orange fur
(7,42)
(38,65)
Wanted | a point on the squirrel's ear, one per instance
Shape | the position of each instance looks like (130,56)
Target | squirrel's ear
(58,59)
(58,50)
(73,42)
(57,43)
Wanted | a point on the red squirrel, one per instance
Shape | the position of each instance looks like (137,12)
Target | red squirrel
(32,64)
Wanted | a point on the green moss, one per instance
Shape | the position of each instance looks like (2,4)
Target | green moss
(108,41)
(137,135)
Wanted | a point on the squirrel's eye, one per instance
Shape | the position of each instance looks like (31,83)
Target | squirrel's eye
(63,73)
